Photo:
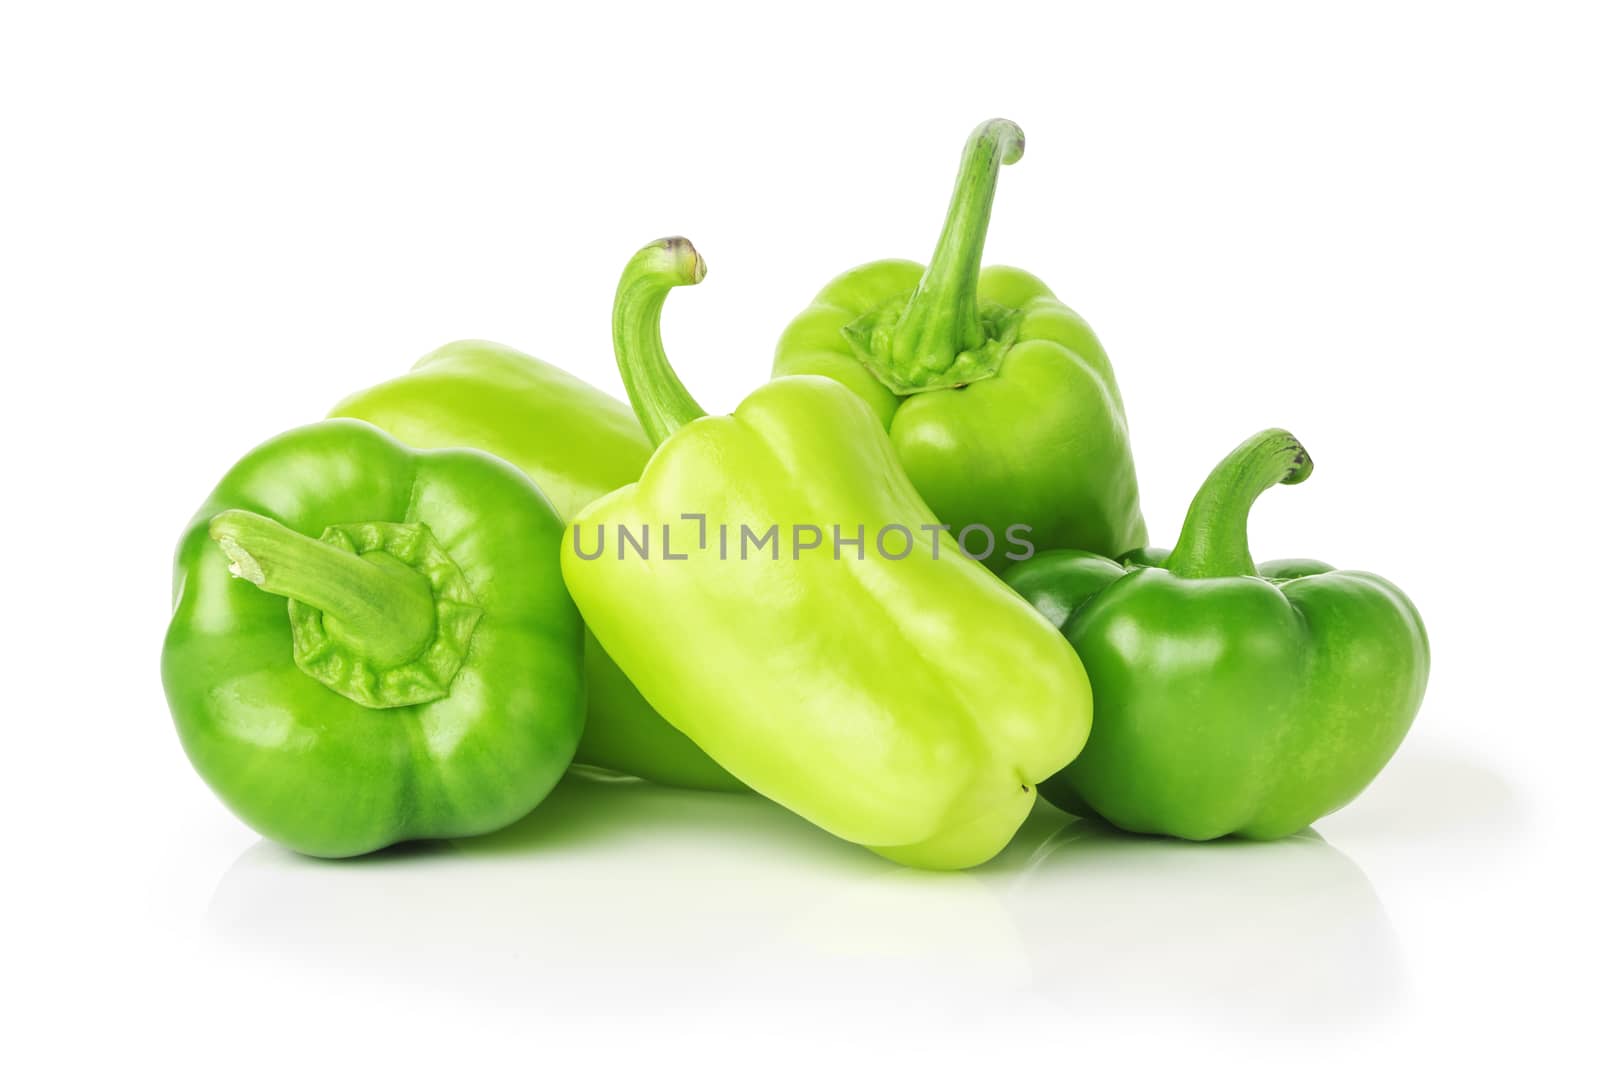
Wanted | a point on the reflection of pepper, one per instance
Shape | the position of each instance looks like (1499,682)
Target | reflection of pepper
(1230,698)
(1000,401)
(576,443)
(406,663)
(897,700)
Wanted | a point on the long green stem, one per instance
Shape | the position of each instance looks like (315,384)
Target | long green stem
(658,397)
(1214,542)
(384,612)
(941,319)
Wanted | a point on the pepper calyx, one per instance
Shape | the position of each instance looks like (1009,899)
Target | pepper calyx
(871,337)
(378,611)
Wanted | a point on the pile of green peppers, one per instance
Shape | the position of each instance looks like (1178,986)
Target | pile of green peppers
(903,589)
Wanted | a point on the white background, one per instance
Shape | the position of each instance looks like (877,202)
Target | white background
(1375,225)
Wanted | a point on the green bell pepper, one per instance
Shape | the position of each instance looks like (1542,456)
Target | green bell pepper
(999,399)
(1230,697)
(371,644)
(576,443)
(896,697)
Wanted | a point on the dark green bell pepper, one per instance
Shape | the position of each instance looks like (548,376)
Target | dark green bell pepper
(371,644)
(1230,697)
(576,443)
(999,400)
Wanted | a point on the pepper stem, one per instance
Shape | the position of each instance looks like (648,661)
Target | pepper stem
(658,397)
(383,609)
(941,320)
(1213,543)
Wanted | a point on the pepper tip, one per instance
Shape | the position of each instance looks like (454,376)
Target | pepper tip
(241,565)
(687,264)
(1006,135)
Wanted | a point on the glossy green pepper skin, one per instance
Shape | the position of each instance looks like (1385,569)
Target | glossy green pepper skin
(576,443)
(372,644)
(906,702)
(1230,698)
(999,400)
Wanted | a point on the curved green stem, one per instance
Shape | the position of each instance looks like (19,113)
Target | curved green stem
(941,319)
(658,397)
(1214,542)
(385,612)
